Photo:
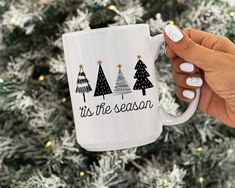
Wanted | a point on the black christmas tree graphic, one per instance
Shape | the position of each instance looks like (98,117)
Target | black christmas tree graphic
(83,85)
(121,86)
(102,86)
(142,82)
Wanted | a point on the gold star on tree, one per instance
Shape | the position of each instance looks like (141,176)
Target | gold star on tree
(119,66)
(138,56)
(81,66)
(99,62)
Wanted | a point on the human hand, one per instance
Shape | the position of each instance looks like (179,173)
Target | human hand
(206,61)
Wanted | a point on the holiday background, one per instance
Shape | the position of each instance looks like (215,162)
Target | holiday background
(37,136)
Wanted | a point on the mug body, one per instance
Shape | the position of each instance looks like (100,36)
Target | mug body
(113,87)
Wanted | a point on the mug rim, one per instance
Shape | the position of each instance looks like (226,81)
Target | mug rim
(111,28)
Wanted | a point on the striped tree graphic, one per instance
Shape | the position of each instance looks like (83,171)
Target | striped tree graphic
(121,86)
(83,85)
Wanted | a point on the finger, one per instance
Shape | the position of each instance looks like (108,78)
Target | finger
(192,52)
(207,40)
(181,66)
(169,53)
(186,95)
(211,41)
(188,81)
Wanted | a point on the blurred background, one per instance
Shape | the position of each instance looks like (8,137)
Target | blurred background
(38,146)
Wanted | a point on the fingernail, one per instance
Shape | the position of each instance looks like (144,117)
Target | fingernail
(173,33)
(188,94)
(194,81)
(187,67)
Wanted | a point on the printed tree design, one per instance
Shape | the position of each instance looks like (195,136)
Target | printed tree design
(121,86)
(102,86)
(83,85)
(142,82)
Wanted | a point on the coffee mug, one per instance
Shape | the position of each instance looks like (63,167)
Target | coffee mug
(113,87)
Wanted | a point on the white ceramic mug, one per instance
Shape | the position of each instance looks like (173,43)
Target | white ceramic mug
(113,87)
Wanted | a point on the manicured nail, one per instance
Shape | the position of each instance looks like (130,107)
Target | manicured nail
(194,81)
(188,94)
(187,67)
(173,33)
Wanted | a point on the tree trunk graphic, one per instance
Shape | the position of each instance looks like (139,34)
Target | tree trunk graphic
(121,86)
(84,97)
(102,86)
(83,85)
(143,92)
(142,82)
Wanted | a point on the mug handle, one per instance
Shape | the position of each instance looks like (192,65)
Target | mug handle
(166,118)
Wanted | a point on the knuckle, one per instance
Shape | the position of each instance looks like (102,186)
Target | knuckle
(178,92)
(217,40)
(174,65)
(188,45)
(225,40)
(187,31)
(220,40)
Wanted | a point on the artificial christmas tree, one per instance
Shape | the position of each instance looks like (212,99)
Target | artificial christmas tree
(142,82)
(83,85)
(38,143)
(121,86)
(102,86)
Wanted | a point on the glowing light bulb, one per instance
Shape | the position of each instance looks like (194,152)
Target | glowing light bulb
(82,173)
(48,144)
(232,13)
(111,7)
(171,22)
(41,78)
(199,149)
(201,179)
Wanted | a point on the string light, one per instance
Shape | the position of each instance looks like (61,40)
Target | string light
(232,13)
(1,80)
(48,144)
(64,99)
(199,149)
(44,2)
(82,173)
(201,179)
(163,89)
(13,20)
(230,151)
(171,22)
(111,7)
(41,78)
(165,181)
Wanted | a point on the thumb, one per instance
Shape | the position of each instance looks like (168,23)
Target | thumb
(184,47)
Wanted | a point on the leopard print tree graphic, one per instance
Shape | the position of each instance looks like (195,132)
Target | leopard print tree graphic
(142,82)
